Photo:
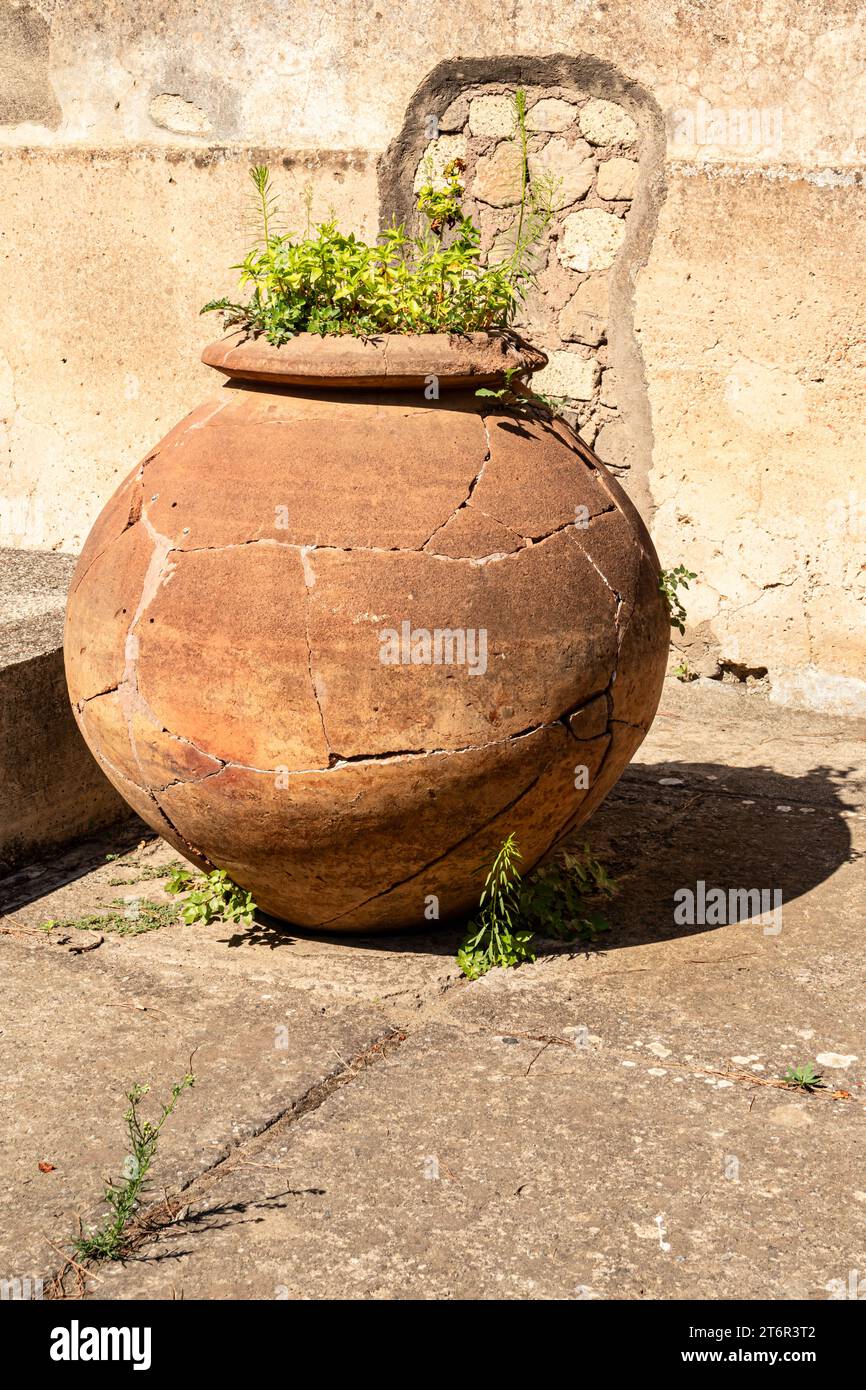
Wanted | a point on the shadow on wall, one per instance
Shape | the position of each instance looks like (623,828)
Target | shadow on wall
(602,137)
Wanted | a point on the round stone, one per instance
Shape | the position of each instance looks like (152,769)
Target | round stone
(551,113)
(617,179)
(568,165)
(491,115)
(498,175)
(606,123)
(590,239)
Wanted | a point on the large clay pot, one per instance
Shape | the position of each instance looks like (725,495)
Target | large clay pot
(340,636)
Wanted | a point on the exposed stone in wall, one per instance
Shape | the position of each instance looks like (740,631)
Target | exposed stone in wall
(26,93)
(550,113)
(490,115)
(437,155)
(569,377)
(175,113)
(605,123)
(495,178)
(568,163)
(617,179)
(590,240)
(584,319)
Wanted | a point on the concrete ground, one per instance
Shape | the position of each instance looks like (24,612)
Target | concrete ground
(367,1124)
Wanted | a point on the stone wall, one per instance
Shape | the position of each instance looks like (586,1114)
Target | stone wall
(587,145)
(595,149)
(727,382)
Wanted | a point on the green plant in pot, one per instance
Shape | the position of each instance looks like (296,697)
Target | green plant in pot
(363,612)
(436,282)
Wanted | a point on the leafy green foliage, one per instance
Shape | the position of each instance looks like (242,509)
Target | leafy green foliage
(520,402)
(142,872)
(517,400)
(138,916)
(558,900)
(684,672)
(804,1078)
(502,392)
(669,582)
(211,897)
(441,206)
(330,282)
(124,1196)
(554,901)
(495,937)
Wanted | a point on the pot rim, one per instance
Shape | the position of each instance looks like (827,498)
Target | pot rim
(392,361)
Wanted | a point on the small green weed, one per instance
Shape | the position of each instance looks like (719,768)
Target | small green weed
(669,582)
(124,1197)
(211,897)
(555,901)
(502,393)
(515,399)
(684,672)
(804,1078)
(495,937)
(138,916)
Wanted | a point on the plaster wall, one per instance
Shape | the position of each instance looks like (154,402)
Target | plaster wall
(125,132)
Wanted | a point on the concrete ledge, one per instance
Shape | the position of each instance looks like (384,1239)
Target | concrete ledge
(51,789)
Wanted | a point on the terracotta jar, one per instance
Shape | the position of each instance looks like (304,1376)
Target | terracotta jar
(350,624)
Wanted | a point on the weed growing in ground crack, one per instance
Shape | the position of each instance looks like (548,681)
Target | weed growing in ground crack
(138,915)
(211,897)
(142,872)
(557,901)
(124,1196)
(494,937)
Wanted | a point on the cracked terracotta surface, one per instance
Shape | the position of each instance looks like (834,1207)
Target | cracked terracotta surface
(226,623)
(540,661)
